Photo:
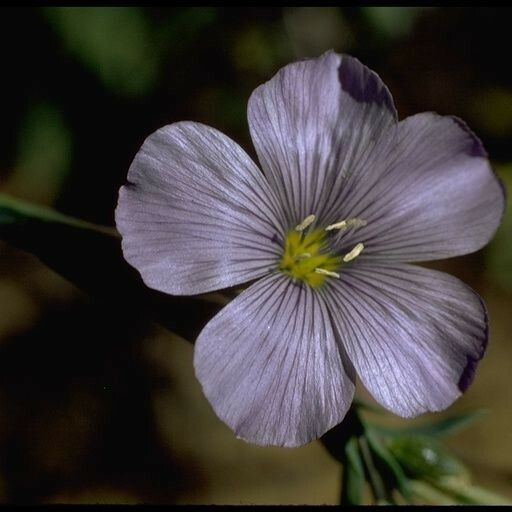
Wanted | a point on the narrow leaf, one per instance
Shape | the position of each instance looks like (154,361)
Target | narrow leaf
(353,474)
(390,469)
(90,257)
(438,428)
(466,493)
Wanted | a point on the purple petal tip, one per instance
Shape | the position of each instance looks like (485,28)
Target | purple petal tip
(475,148)
(362,84)
(468,373)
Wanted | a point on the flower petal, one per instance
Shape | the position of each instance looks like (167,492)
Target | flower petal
(432,196)
(313,123)
(270,367)
(414,335)
(197,214)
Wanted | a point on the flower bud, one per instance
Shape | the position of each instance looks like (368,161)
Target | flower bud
(423,456)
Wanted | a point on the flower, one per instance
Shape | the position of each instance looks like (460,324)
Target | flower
(348,198)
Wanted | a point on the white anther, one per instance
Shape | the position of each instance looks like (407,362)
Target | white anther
(303,256)
(338,225)
(305,223)
(344,224)
(356,223)
(326,272)
(354,253)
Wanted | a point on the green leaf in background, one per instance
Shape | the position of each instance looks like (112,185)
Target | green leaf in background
(353,474)
(389,467)
(90,257)
(43,155)
(423,456)
(467,493)
(449,425)
(435,475)
(364,458)
(437,428)
(182,29)
(257,50)
(115,43)
(492,110)
(427,494)
(392,22)
(499,251)
(399,464)
(313,30)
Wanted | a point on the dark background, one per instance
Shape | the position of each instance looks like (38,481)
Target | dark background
(97,405)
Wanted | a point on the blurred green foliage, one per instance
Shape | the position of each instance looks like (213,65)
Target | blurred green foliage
(392,22)
(178,31)
(499,251)
(116,43)
(493,108)
(258,49)
(424,456)
(43,155)
(312,30)
(400,465)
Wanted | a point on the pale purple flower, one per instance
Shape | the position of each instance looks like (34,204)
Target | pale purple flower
(347,198)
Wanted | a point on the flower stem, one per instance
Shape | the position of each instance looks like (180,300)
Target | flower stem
(426,494)
(464,492)
(374,478)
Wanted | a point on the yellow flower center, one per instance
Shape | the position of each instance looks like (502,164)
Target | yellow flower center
(307,257)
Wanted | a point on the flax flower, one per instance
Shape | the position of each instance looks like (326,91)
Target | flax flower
(348,198)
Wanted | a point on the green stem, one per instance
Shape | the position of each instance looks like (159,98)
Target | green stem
(429,495)
(352,485)
(43,213)
(375,480)
(465,492)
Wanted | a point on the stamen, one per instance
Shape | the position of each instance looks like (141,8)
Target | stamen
(354,253)
(356,222)
(326,272)
(305,223)
(344,224)
(338,225)
(303,256)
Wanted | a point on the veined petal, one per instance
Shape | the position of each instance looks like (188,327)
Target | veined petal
(433,195)
(414,335)
(314,124)
(270,367)
(197,214)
